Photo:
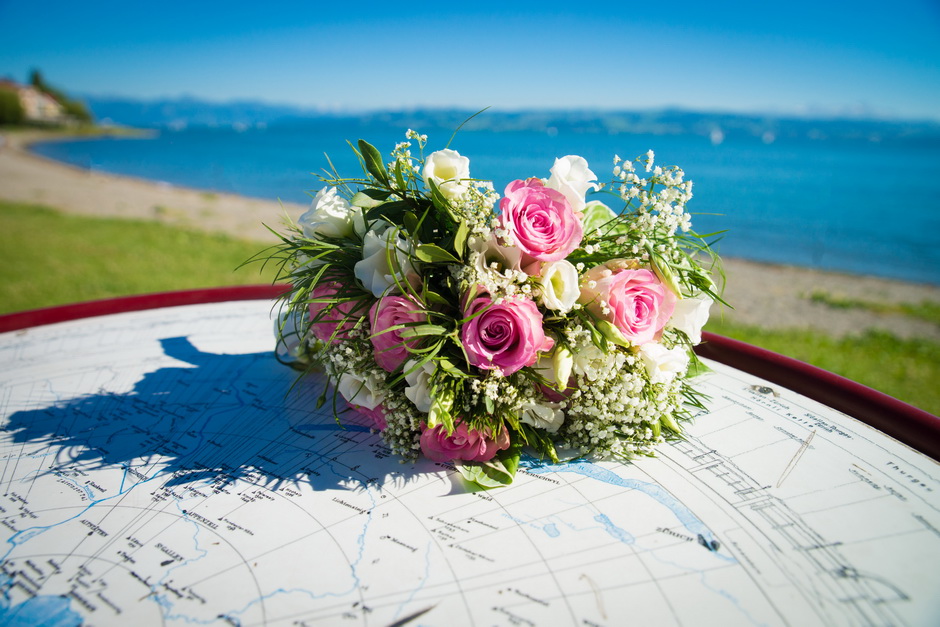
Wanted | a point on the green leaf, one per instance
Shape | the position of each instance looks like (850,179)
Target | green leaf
(410,221)
(373,161)
(596,215)
(399,177)
(369,198)
(541,442)
(496,473)
(431,253)
(393,211)
(435,298)
(442,204)
(420,331)
(460,239)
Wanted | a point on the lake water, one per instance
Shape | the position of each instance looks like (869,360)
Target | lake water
(851,205)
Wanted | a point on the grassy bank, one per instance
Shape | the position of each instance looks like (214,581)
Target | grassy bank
(905,369)
(48,258)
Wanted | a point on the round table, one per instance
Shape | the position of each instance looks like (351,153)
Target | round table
(159,465)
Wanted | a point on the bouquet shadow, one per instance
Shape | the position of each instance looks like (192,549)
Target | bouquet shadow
(214,420)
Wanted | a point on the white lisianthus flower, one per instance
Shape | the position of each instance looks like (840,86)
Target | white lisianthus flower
(380,246)
(589,362)
(690,315)
(365,390)
(544,415)
(418,391)
(560,287)
(449,171)
(492,252)
(663,364)
(329,216)
(556,368)
(572,177)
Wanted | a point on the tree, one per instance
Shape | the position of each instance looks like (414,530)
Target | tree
(11,109)
(74,108)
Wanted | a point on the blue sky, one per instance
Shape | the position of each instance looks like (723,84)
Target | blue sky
(795,57)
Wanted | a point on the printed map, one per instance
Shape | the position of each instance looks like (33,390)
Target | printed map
(161,467)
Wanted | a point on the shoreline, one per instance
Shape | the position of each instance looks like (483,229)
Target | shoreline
(764,295)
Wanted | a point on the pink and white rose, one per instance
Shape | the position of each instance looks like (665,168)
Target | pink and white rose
(632,299)
(391,350)
(539,220)
(505,335)
(373,418)
(332,323)
(464,444)
(573,178)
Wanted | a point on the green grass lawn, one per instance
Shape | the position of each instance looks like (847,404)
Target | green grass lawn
(905,369)
(49,258)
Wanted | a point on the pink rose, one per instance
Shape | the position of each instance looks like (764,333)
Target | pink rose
(388,312)
(372,418)
(634,300)
(539,220)
(463,444)
(331,323)
(505,336)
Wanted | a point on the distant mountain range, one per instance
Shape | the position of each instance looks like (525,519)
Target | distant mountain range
(186,112)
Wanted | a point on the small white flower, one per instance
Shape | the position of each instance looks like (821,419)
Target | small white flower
(572,177)
(382,244)
(329,216)
(417,390)
(663,364)
(365,390)
(559,283)
(449,171)
(690,315)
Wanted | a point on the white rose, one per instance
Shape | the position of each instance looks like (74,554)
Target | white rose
(663,364)
(690,315)
(363,390)
(559,283)
(418,381)
(572,177)
(381,244)
(329,216)
(544,415)
(449,171)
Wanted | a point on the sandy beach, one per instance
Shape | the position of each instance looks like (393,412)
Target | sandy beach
(763,295)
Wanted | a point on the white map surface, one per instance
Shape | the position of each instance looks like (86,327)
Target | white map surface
(158,468)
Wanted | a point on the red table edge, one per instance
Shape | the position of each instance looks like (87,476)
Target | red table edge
(906,423)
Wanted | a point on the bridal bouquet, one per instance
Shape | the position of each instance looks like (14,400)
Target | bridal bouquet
(466,326)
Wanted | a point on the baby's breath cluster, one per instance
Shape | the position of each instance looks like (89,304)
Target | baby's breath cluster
(470,326)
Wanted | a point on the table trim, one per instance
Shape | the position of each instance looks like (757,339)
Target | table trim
(908,424)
